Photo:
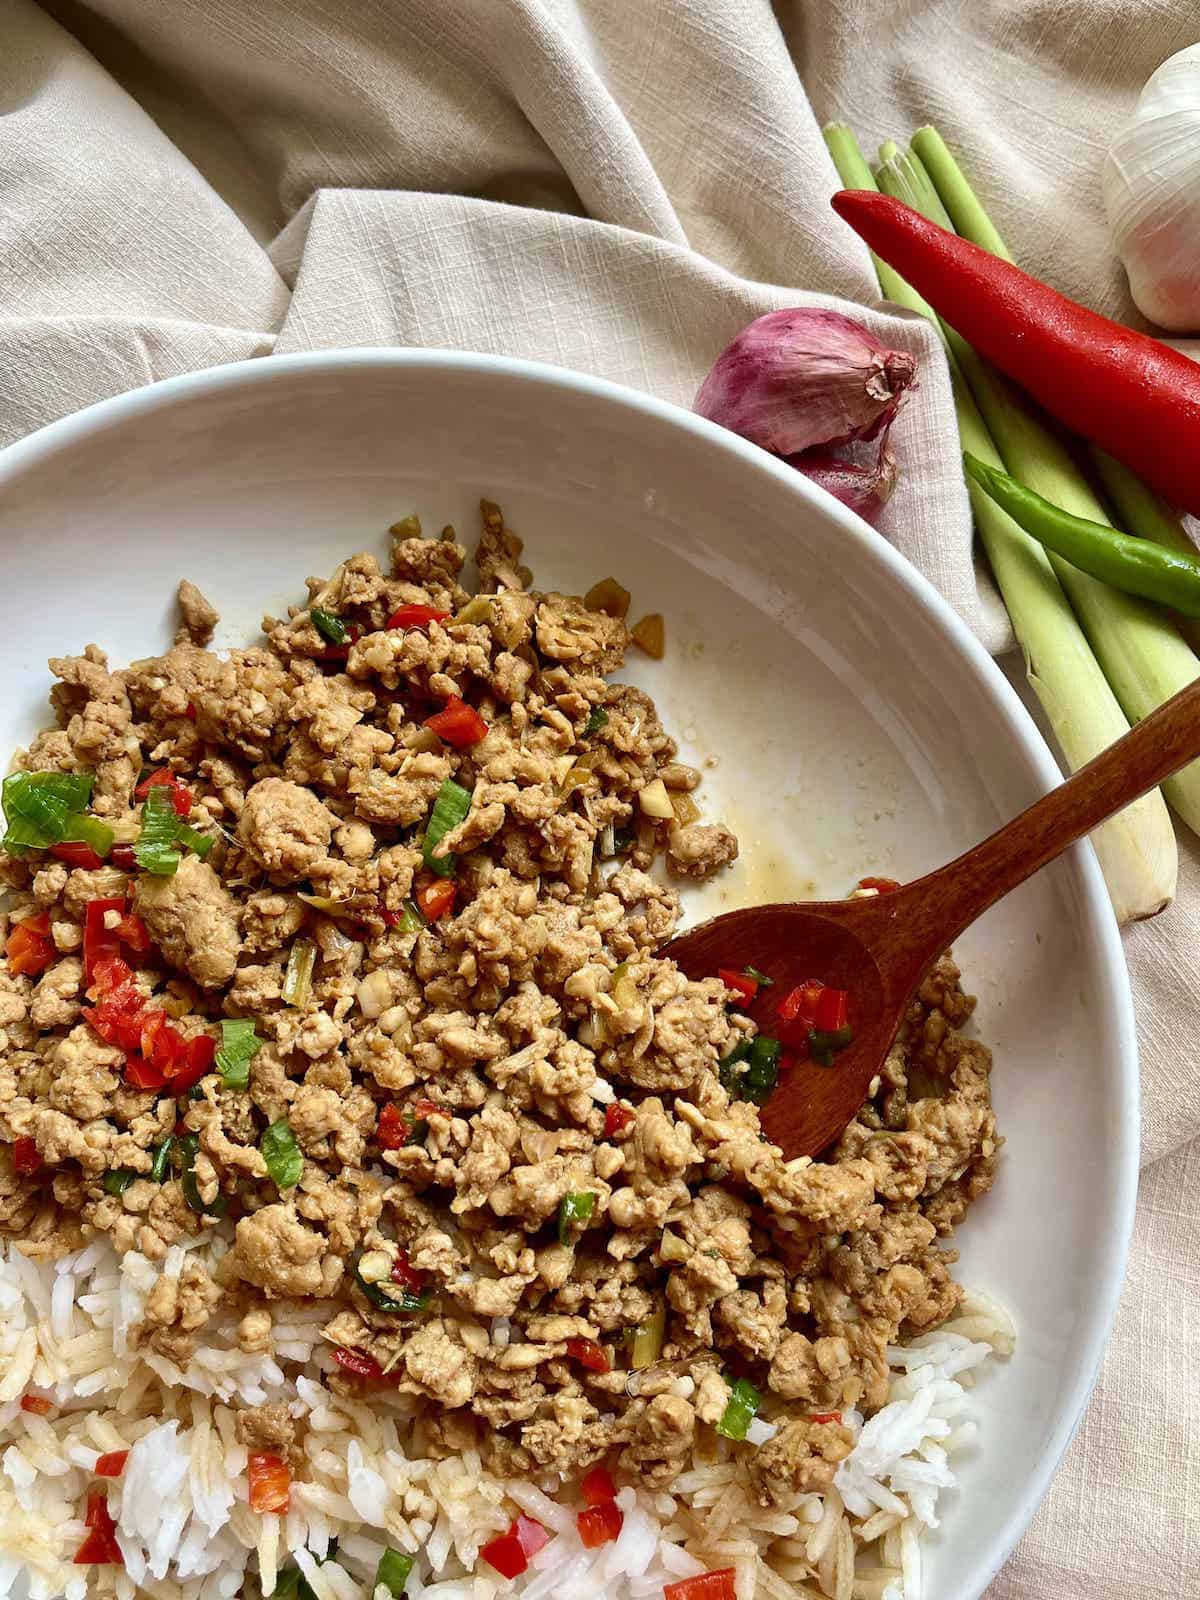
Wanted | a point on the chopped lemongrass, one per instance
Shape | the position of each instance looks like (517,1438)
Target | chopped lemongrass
(297,980)
(449,809)
(1143,654)
(608,596)
(654,801)
(648,1339)
(650,635)
(1136,849)
(685,808)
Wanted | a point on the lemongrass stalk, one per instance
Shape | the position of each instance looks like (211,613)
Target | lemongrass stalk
(1136,849)
(1141,511)
(1145,657)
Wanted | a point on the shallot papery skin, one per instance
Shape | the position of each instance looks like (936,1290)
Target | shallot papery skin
(796,379)
(861,475)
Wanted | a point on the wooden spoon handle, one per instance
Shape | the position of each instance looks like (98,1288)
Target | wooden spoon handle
(1149,753)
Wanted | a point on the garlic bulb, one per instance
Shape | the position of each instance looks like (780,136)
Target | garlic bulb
(1152,195)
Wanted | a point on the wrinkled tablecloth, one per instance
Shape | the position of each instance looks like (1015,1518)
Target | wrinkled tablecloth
(617,186)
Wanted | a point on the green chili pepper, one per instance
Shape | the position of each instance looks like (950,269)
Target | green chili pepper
(739,1413)
(239,1045)
(449,809)
(596,721)
(393,1571)
(162,1160)
(282,1154)
(574,1210)
(329,625)
(118,1180)
(381,1295)
(761,1072)
(727,1071)
(759,977)
(189,1146)
(823,1045)
(1139,566)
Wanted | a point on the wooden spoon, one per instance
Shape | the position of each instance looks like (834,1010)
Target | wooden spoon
(880,948)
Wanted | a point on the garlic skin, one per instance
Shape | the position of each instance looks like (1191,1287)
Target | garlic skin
(799,378)
(1152,195)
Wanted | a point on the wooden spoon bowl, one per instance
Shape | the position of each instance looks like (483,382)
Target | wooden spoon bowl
(879,948)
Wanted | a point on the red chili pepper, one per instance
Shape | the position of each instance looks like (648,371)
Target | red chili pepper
(600,1524)
(26,1157)
(589,1354)
(100,1547)
(189,712)
(77,854)
(195,1061)
(510,1553)
(270,1481)
(142,1074)
(391,919)
(740,982)
(430,1108)
(36,1405)
(392,1130)
(826,1416)
(458,724)
(597,1486)
(617,1118)
(800,1003)
(435,899)
(358,1363)
(181,795)
(132,931)
(880,885)
(29,947)
(704,1586)
(98,939)
(831,1010)
(408,1275)
(1132,395)
(122,857)
(111,1465)
(416,616)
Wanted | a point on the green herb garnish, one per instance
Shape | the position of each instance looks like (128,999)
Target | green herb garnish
(596,721)
(118,1180)
(574,1210)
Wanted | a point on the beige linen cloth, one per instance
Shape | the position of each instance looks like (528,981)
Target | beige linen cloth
(617,186)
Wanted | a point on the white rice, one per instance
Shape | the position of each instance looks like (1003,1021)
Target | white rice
(68,1334)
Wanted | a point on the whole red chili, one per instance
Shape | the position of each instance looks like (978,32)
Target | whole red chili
(1132,395)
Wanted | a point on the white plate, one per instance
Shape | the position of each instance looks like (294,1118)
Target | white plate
(852,723)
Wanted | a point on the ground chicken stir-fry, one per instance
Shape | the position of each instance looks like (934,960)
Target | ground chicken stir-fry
(456,1091)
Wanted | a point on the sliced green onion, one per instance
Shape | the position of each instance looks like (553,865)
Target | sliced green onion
(823,1045)
(739,1413)
(161,1163)
(239,1045)
(189,1146)
(597,720)
(155,850)
(411,920)
(282,1154)
(760,978)
(297,980)
(37,806)
(402,1300)
(648,1339)
(201,843)
(574,1210)
(118,1180)
(90,831)
(393,1571)
(449,809)
(329,626)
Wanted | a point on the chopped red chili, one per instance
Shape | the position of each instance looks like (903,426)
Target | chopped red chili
(881,885)
(29,947)
(436,899)
(416,616)
(111,1465)
(358,1363)
(510,1553)
(189,712)
(77,854)
(26,1157)
(270,1482)
(589,1354)
(392,1130)
(597,1486)
(617,1118)
(99,940)
(831,1010)
(825,1416)
(741,983)
(458,724)
(704,1586)
(600,1524)
(181,795)
(100,1547)
(800,1003)
(122,857)
(408,1275)
(36,1405)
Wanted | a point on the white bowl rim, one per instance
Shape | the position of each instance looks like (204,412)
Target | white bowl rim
(67,431)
